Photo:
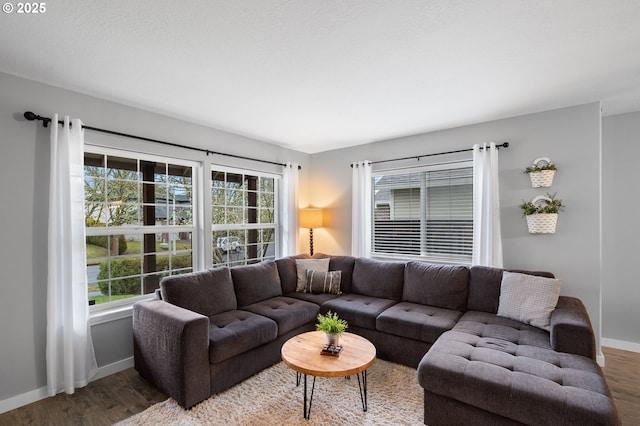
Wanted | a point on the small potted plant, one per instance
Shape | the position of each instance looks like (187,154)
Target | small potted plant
(332,326)
(542,213)
(541,172)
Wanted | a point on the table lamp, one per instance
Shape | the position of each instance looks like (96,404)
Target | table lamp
(310,218)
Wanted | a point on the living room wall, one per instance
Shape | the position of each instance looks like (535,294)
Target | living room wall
(24,168)
(569,136)
(621,233)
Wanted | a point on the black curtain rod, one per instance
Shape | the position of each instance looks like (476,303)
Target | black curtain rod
(418,157)
(46,120)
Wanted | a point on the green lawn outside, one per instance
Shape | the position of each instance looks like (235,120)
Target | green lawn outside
(105,299)
(96,254)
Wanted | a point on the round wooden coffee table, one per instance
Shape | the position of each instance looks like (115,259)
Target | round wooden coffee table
(302,354)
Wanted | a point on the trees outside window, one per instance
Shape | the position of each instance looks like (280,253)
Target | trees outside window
(243,217)
(139,214)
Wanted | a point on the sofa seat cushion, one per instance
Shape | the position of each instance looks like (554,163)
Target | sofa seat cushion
(318,299)
(358,310)
(527,384)
(418,322)
(235,332)
(287,312)
(492,327)
(509,369)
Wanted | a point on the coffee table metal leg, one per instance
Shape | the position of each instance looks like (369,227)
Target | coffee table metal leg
(363,389)
(306,411)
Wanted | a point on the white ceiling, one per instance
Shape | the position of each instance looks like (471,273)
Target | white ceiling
(314,75)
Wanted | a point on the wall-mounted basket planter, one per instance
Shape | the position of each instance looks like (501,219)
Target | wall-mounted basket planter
(541,172)
(542,214)
(542,223)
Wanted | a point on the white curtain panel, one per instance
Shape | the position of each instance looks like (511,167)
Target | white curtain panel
(289,231)
(361,209)
(487,238)
(71,361)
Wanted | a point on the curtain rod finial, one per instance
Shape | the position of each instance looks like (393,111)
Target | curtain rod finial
(30,116)
(33,116)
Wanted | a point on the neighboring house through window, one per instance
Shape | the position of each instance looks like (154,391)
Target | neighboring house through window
(424,212)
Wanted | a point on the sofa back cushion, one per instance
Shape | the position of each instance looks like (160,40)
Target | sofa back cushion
(288,272)
(206,292)
(344,264)
(441,286)
(255,283)
(378,278)
(484,287)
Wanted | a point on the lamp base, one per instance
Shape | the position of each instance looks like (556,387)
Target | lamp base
(311,241)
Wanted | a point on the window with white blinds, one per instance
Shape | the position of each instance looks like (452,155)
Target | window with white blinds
(426,212)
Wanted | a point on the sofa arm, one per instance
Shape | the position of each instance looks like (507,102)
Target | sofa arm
(571,329)
(171,350)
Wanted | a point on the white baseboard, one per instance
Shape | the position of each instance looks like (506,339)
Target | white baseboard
(621,344)
(38,394)
(113,368)
(23,399)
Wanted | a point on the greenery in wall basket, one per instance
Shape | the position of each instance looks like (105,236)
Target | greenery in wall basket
(541,172)
(550,204)
(542,213)
(538,167)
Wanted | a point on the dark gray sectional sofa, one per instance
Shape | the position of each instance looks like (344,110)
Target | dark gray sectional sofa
(207,331)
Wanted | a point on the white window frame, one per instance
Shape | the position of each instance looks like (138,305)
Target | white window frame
(277,178)
(377,174)
(122,308)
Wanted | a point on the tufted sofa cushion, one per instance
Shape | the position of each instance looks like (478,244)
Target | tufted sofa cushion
(358,310)
(288,313)
(508,368)
(418,322)
(235,332)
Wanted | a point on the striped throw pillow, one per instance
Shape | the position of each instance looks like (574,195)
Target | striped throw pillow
(323,282)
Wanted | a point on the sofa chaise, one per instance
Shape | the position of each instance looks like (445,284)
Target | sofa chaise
(206,331)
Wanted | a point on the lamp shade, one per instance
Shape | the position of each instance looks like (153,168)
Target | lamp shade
(310,218)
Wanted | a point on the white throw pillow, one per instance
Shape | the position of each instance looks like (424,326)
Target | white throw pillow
(528,298)
(319,265)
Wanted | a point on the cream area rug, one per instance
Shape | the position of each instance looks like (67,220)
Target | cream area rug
(272,398)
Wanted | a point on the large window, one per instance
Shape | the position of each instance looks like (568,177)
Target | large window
(243,216)
(139,214)
(426,212)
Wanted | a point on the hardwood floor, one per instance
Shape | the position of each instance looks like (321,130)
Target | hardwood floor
(622,370)
(102,402)
(121,395)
